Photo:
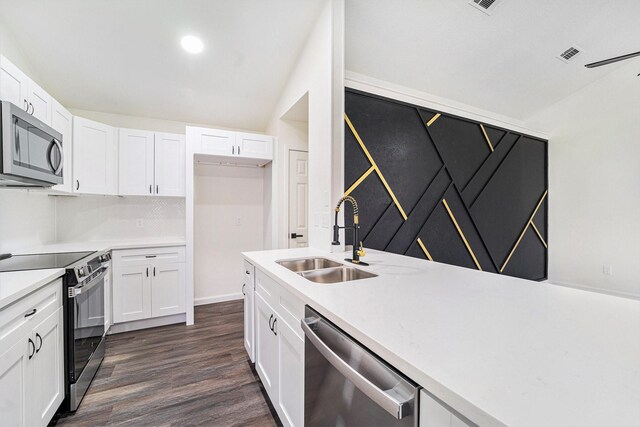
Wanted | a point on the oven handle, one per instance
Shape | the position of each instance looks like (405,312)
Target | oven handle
(92,283)
(395,407)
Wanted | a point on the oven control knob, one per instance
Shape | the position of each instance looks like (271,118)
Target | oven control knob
(81,271)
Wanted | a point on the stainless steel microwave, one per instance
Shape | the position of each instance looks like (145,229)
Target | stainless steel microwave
(31,154)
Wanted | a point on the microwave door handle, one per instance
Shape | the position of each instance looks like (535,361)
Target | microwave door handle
(58,144)
(17,142)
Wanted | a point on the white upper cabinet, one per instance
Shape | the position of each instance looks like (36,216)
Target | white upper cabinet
(135,153)
(17,88)
(151,163)
(254,146)
(14,84)
(62,121)
(231,147)
(169,163)
(94,157)
(215,141)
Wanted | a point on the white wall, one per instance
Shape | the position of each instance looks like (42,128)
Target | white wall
(318,72)
(229,210)
(594,184)
(27,218)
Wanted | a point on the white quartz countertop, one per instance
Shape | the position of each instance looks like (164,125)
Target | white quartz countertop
(499,350)
(17,284)
(103,245)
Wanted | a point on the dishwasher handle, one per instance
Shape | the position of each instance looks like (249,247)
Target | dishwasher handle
(397,408)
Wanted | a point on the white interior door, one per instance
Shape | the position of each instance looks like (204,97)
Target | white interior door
(298,198)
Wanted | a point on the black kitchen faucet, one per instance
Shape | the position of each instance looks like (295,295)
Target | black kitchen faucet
(358,250)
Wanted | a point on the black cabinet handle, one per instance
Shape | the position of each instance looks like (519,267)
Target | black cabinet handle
(243,285)
(233,149)
(147,271)
(31,344)
(247,272)
(26,105)
(238,150)
(150,256)
(270,327)
(31,313)
(154,272)
(157,189)
(273,328)
(149,188)
(33,109)
(38,337)
(77,184)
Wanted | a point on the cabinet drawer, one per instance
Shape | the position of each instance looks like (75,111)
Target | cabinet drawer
(291,310)
(249,274)
(13,323)
(266,287)
(129,257)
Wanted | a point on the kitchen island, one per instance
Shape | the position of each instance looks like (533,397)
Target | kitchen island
(498,350)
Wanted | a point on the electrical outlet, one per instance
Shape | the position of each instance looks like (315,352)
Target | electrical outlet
(140,223)
(607,270)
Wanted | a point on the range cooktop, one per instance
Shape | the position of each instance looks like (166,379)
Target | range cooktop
(10,262)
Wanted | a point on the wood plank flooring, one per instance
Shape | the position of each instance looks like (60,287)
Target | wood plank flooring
(178,376)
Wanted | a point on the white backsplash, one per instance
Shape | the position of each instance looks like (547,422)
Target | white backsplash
(27,219)
(110,217)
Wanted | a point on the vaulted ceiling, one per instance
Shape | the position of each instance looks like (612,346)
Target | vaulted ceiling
(504,62)
(124,56)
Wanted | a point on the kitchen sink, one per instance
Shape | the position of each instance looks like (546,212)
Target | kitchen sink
(336,275)
(306,264)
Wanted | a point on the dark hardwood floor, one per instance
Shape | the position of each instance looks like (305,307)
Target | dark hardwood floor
(178,376)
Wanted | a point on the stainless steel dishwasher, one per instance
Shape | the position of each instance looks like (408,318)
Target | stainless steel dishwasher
(347,385)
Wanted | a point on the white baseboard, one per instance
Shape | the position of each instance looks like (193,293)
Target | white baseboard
(594,289)
(147,323)
(217,298)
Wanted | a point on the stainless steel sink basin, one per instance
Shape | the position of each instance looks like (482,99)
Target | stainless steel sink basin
(336,275)
(306,264)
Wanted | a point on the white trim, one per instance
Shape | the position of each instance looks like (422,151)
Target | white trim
(401,93)
(218,298)
(147,323)
(594,289)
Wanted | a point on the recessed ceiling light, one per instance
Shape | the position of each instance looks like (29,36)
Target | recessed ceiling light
(192,44)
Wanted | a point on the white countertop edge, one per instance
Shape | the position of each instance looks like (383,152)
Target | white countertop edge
(26,282)
(103,245)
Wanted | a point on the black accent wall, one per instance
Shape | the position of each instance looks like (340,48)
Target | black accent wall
(466,193)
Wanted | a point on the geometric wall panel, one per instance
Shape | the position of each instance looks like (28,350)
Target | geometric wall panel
(445,188)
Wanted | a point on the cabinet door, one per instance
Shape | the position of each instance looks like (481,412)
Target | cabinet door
(290,375)
(135,166)
(215,141)
(254,146)
(40,102)
(47,383)
(167,289)
(13,84)
(266,343)
(170,165)
(94,157)
(61,120)
(248,320)
(131,293)
(434,414)
(14,377)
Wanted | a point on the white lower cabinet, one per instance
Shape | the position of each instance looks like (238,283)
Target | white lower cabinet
(148,283)
(248,291)
(32,367)
(434,414)
(279,348)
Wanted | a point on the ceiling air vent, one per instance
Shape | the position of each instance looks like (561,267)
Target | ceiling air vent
(486,6)
(570,54)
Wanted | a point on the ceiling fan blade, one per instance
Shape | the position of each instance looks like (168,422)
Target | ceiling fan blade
(612,60)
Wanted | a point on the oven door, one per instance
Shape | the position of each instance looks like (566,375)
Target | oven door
(32,152)
(86,314)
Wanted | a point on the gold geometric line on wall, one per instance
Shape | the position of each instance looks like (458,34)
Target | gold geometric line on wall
(433,119)
(533,224)
(464,239)
(524,230)
(486,137)
(359,181)
(375,166)
(424,249)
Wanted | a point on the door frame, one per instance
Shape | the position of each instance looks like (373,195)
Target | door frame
(286,193)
